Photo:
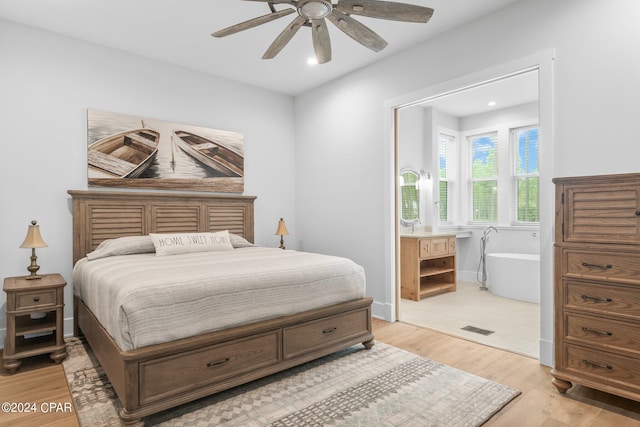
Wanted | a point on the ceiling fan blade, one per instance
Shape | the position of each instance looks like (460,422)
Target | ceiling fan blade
(284,37)
(252,23)
(357,31)
(321,40)
(385,10)
(274,1)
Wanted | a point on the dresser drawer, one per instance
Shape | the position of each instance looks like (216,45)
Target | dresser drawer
(320,333)
(35,300)
(606,300)
(603,266)
(603,333)
(187,371)
(603,367)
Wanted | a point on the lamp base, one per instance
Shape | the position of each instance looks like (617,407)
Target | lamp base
(33,267)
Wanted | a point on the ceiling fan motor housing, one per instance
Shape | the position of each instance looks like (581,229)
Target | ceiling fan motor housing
(314,9)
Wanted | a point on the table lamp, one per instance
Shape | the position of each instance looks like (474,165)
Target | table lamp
(33,241)
(282,231)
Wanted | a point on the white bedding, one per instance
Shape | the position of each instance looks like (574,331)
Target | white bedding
(145,299)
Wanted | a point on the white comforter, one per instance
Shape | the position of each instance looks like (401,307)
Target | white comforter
(146,299)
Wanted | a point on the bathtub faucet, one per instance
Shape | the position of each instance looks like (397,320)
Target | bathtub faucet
(487,231)
(483,256)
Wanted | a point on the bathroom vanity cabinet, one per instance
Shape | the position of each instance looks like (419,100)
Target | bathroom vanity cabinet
(597,284)
(427,266)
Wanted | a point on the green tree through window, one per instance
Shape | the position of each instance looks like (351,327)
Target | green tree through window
(484,177)
(527,174)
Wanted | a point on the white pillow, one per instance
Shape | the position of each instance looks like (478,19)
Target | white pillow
(239,241)
(182,243)
(122,246)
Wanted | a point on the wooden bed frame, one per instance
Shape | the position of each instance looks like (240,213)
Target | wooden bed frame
(162,376)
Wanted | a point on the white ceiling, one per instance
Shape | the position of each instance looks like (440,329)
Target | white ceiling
(178,32)
(504,93)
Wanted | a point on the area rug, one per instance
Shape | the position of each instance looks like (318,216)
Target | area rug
(384,386)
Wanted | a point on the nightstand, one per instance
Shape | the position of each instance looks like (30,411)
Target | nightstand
(34,319)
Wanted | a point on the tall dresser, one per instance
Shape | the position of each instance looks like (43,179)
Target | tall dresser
(597,284)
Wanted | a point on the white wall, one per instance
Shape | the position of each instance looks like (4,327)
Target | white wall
(48,81)
(343,152)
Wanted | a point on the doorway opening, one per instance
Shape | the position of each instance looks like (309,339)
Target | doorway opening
(445,137)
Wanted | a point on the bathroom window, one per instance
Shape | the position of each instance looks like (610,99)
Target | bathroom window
(484,177)
(444,182)
(526,174)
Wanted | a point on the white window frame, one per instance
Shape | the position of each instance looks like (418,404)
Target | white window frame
(505,175)
(450,156)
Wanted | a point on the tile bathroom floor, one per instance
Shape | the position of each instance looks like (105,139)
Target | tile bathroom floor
(515,324)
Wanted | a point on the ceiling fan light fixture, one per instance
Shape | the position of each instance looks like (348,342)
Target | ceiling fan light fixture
(314,9)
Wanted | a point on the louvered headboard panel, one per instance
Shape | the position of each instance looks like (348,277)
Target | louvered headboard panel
(101,215)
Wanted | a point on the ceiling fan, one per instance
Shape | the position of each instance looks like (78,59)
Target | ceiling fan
(312,13)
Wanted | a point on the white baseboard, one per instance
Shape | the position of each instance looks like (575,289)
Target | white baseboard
(546,353)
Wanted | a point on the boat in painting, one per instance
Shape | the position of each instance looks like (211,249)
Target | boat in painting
(123,155)
(210,153)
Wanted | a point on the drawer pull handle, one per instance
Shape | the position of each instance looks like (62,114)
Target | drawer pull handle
(596,299)
(36,299)
(218,362)
(329,331)
(593,331)
(602,266)
(596,364)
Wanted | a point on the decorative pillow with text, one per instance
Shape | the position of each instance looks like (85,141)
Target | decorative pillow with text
(182,243)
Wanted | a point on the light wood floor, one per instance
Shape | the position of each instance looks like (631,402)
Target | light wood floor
(40,381)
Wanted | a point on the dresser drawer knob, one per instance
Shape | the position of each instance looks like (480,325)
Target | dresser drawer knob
(596,299)
(638,212)
(218,362)
(593,331)
(329,331)
(602,266)
(596,364)
(36,299)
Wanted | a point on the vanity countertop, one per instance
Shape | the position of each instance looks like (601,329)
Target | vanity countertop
(421,234)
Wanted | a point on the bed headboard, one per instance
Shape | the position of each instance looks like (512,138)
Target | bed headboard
(101,215)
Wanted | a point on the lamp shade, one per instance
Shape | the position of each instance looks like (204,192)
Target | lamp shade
(33,239)
(282,228)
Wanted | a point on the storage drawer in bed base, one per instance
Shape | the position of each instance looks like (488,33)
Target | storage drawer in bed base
(159,377)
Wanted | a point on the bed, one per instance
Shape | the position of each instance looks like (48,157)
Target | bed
(151,376)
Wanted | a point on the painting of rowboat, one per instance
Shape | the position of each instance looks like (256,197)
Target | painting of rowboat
(210,153)
(137,152)
(123,155)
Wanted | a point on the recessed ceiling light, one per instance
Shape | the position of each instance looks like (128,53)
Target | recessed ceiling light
(491,103)
(312,60)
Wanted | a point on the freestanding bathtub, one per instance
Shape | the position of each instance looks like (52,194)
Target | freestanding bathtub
(515,276)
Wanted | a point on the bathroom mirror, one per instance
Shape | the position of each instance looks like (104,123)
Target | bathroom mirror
(409,197)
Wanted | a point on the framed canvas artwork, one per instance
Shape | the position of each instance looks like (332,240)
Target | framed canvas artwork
(136,152)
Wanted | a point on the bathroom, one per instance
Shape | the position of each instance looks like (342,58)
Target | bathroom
(456,145)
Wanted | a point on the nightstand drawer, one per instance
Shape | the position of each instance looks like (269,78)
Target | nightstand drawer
(35,300)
